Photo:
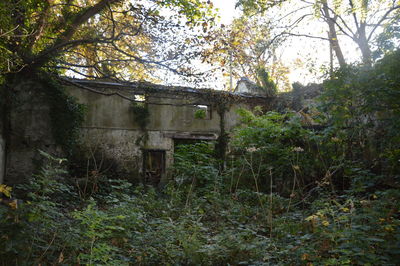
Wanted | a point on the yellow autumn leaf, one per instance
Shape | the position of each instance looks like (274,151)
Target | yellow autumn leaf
(389,228)
(311,217)
(304,256)
(13,204)
(5,190)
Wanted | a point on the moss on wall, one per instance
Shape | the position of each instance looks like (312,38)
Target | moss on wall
(65,112)
(141,114)
(39,116)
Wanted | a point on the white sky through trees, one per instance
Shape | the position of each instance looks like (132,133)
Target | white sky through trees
(299,58)
(226,10)
(307,58)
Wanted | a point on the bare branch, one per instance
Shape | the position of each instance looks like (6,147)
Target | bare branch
(384,17)
(351,36)
(8,32)
(354,14)
(305,35)
(337,16)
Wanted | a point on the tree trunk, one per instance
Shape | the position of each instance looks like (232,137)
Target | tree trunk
(362,43)
(333,35)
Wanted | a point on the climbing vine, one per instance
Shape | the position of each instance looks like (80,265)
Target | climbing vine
(65,113)
(141,114)
(223,104)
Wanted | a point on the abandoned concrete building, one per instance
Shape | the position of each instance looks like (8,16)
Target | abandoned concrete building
(138,125)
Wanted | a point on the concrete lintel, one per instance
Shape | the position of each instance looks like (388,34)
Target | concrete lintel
(191,135)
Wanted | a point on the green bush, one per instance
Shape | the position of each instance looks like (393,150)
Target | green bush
(289,195)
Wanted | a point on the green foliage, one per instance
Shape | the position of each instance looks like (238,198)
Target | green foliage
(290,195)
(359,113)
(141,113)
(362,106)
(195,11)
(196,166)
(387,40)
(247,46)
(200,114)
(82,37)
(140,226)
(273,151)
(267,83)
(352,229)
(98,228)
(36,228)
(66,114)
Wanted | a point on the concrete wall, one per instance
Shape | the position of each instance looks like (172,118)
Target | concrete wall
(110,124)
(30,131)
(166,112)
(169,112)
(110,128)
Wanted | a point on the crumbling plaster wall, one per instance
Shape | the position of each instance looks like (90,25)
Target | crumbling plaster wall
(30,131)
(167,112)
(121,145)
(111,127)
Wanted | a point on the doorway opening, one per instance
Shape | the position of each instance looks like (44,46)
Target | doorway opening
(153,166)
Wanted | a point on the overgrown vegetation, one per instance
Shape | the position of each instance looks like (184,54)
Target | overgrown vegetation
(200,114)
(141,114)
(289,195)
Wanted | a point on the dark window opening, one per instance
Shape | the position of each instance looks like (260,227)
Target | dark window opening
(153,166)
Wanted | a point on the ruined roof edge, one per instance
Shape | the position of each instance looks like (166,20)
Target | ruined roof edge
(157,87)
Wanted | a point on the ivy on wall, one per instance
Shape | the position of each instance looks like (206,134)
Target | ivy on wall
(200,114)
(141,114)
(66,113)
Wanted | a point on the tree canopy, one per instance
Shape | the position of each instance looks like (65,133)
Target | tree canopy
(245,49)
(358,20)
(105,38)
